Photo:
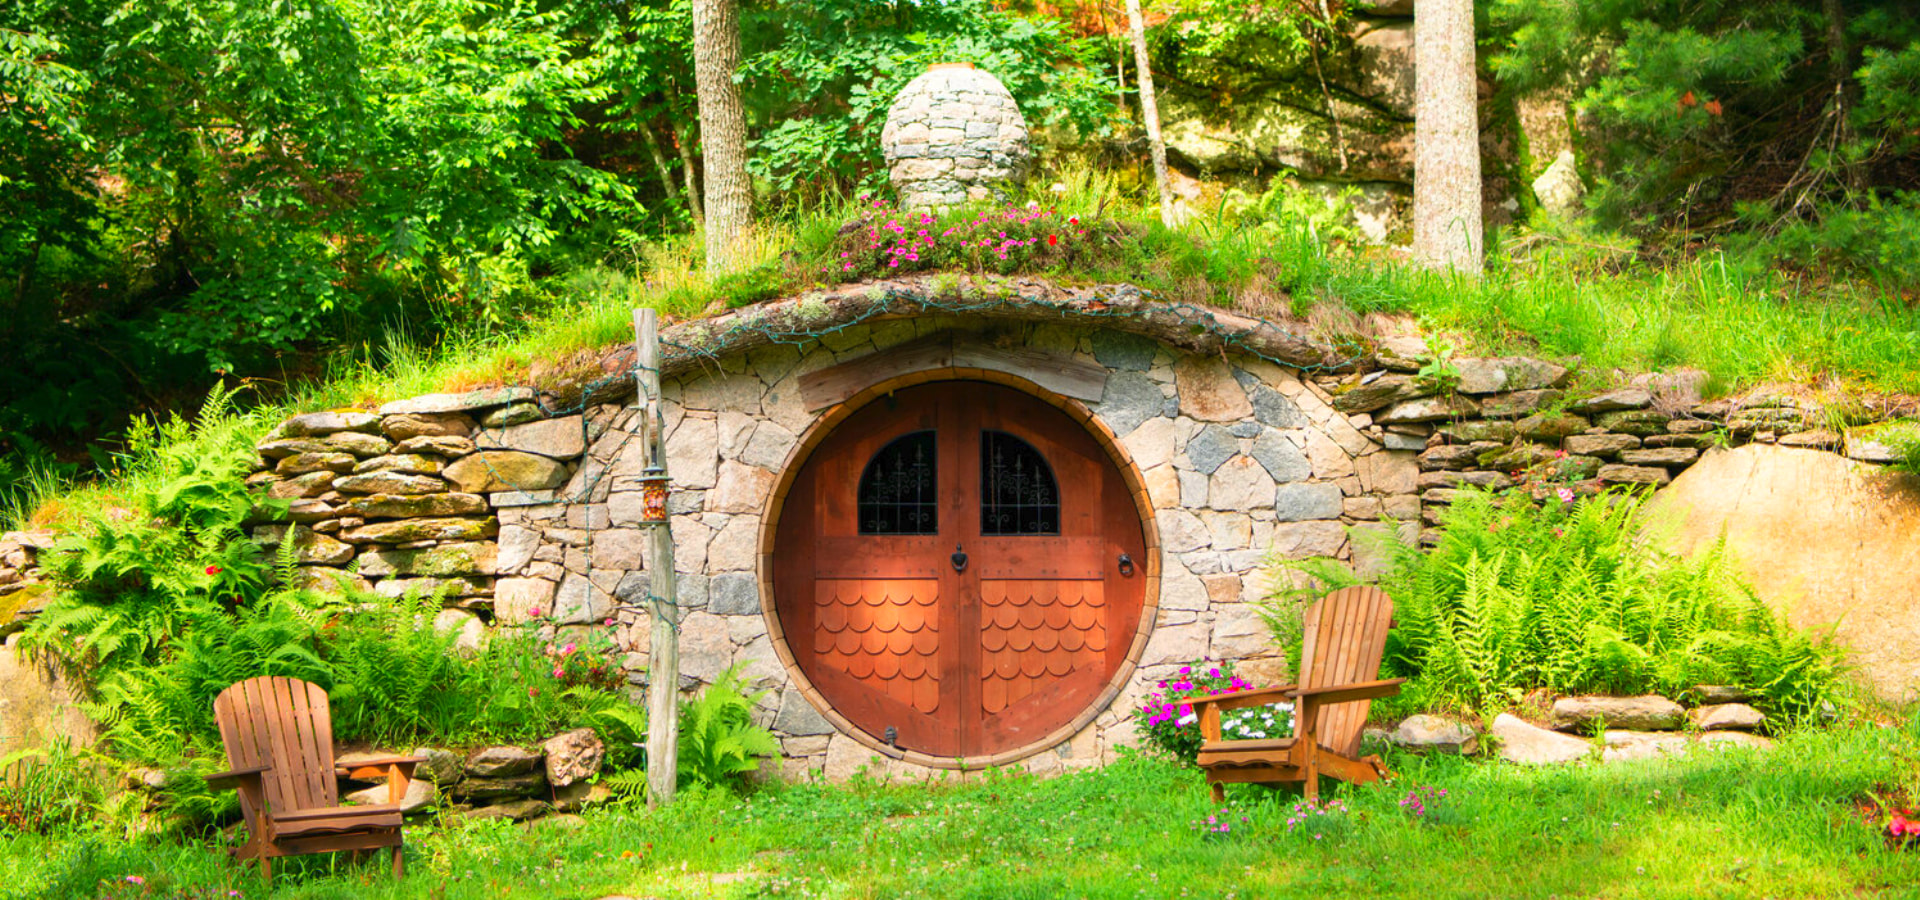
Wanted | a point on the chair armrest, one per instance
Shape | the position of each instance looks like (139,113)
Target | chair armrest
(1266,696)
(362,769)
(231,780)
(1347,693)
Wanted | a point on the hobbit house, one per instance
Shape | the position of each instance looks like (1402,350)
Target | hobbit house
(963,524)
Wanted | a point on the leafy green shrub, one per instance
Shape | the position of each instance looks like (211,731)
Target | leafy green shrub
(47,790)
(719,743)
(1576,598)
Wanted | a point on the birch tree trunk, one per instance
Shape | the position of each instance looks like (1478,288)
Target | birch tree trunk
(1446,139)
(723,129)
(1150,109)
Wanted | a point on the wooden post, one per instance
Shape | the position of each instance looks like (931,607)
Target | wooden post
(663,660)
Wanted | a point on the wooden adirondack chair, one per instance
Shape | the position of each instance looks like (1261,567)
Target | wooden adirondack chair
(1345,635)
(279,739)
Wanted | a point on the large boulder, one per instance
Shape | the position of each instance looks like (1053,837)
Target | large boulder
(1828,541)
(502,761)
(1647,713)
(574,756)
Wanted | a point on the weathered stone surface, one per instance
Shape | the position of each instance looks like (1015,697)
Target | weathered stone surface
(442,767)
(734,594)
(329,580)
(504,470)
(312,484)
(303,463)
(1208,391)
(562,438)
(740,488)
(1642,422)
(1425,733)
(574,798)
(1709,694)
(450,446)
(579,602)
(1208,449)
(1611,401)
(1428,409)
(1819,438)
(357,443)
(1664,456)
(1381,393)
(1131,398)
(1477,431)
(404,428)
(1551,427)
(472,558)
(1644,713)
(420,794)
(431,404)
(1492,480)
(705,647)
(510,415)
(515,600)
(321,424)
(406,531)
(404,506)
(1299,502)
(311,548)
(1282,460)
(1727,717)
(501,762)
(1514,458)
(1123,351)
(1603,445)
(1241,483)
(1446,457)
(1519,403)
(798,717)
(1619,474)
(284,447)
(404,463)
(1873,446)
(39,704)
(389,483)
(1530,745)
(573,756)
(1492,375)
(1559,187)
(472,632)
(511,810)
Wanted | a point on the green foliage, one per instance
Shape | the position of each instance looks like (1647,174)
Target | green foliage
(45,791)
(1576,599)
(719,742)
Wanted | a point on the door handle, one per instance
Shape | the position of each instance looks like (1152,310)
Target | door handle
(959,558)
(1126,565)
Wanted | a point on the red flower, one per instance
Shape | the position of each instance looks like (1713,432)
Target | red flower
(1053,239)
(213,570)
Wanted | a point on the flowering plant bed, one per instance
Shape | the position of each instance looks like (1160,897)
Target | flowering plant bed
(892,241)
(1171,725)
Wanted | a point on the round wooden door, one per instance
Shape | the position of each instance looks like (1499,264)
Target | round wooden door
(959,567)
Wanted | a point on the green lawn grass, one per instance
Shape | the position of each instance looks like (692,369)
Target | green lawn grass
(1732,823)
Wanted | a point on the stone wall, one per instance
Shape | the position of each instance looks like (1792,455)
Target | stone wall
(953,135)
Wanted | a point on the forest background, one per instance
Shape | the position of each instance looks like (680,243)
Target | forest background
(257,193)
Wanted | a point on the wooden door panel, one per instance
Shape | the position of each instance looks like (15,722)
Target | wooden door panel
(1032,634)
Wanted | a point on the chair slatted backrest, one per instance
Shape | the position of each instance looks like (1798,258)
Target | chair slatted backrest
(283,723)
(1344,636)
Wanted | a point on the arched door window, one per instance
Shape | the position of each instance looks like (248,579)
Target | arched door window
(899,488)
(1018,493)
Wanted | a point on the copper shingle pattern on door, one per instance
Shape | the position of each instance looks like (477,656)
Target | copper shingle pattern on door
(883,633)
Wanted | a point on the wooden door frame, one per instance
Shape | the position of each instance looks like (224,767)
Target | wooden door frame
(1122,462)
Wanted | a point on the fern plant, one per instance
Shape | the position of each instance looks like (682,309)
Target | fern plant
(1515,597)
(719,742)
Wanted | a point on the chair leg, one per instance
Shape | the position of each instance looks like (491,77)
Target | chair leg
(1219,791)
(399,862)
(266,871)
(1312,783)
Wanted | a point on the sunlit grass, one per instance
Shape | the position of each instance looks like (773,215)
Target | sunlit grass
(1730,823)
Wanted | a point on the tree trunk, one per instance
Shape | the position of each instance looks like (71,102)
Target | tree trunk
(1446,139)
(1150,109)
(660,162)
(684,143)
(1840,71)
(723,129)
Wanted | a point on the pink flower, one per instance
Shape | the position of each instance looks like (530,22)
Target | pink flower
(213,570)
(1565,495)
(567,649)
(556,672)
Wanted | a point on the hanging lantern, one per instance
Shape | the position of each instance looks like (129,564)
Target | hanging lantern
(653,496)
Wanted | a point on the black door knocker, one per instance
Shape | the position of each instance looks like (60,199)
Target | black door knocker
(1126,565)
(959,558)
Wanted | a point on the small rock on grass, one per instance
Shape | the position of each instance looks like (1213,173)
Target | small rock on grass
(1424,733)
(1727,717)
